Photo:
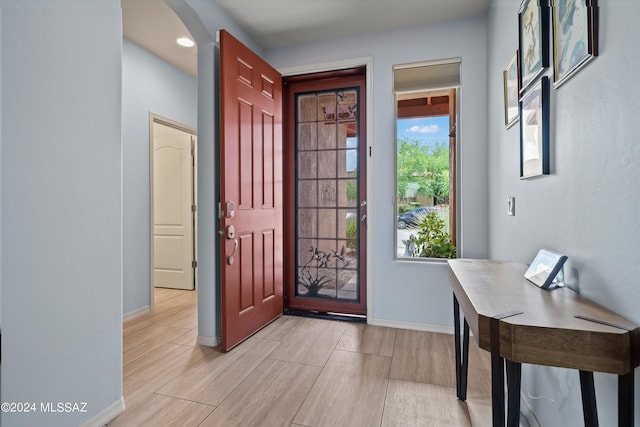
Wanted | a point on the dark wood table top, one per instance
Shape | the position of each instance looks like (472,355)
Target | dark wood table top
(552,328)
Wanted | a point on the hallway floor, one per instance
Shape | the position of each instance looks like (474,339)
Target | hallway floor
(295,372)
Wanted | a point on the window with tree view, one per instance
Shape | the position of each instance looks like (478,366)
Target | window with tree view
(426,120)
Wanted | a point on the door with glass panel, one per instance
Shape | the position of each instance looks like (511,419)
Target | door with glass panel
(325,181)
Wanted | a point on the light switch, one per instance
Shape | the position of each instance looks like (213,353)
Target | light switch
(511,206)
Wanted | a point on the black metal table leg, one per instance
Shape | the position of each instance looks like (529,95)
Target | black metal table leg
(465,361)
(462,352)
(497,375)
(497,389)
(588,399)
(456,334)
(625,400)
(514,376)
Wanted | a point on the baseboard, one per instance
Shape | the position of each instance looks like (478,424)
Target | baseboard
(136,313)
(112,411)
(399,324)
(207,341)
(526,414)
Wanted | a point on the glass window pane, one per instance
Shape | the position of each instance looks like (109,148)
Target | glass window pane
(347,264)
(347,104)
(328,194)
(347,163)
(348,285)
(326,246)
(307,165)
(307,193)
(326,135)
(327,223)
(327,180)
(346,217)
(307,223)
(307,136)
(305,250)
(348,134)
(347,192)
(327,164)
(423,182)
(307,107)
(327,107)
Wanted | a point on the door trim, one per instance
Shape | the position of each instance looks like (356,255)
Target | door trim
(367,62)
(156,118)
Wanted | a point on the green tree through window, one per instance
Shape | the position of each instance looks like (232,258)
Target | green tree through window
(423,170)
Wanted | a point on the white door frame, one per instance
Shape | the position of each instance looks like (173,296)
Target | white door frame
(367,62)
(155,118)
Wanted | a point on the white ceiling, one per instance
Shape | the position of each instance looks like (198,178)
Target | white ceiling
(154,26)
(281,23)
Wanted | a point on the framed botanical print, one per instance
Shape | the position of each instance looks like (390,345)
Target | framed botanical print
(533,20)
(511,80)
(534,130)
(575,37)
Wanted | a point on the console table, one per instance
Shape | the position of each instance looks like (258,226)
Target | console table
(520,323)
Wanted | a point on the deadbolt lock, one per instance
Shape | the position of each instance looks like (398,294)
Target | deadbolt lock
(231,232)
(230,210)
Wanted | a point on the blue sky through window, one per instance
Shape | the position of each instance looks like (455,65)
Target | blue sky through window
(352,155)
(427,130)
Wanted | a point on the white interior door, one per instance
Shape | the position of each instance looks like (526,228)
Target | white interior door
(173,217)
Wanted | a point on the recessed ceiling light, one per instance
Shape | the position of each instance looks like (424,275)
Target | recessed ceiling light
(185,41)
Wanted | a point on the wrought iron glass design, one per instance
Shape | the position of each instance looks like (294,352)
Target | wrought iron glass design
(327,197)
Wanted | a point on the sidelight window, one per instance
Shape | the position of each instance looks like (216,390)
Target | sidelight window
(426,99)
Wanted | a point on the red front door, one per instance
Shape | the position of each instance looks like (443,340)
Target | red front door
(250,191)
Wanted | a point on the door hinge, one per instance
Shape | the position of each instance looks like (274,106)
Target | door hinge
(193,208)
(369,151)
(220,213)
(194,264)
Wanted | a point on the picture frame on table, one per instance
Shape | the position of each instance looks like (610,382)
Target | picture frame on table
(533,36)
(575,37)
(534,130)
(545,267)
(511,84)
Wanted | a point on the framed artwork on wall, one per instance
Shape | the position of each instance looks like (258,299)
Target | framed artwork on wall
(534,130)
(511,83)
(533,24)
(575,37)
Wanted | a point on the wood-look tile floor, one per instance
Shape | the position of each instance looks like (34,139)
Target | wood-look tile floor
(297,372)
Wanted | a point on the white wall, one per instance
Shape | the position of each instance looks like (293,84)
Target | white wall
(411,291)
(61,207)
(0,186)
(398,295)
(588,208)
(149,84)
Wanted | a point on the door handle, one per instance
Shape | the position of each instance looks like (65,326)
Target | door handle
(230,257)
